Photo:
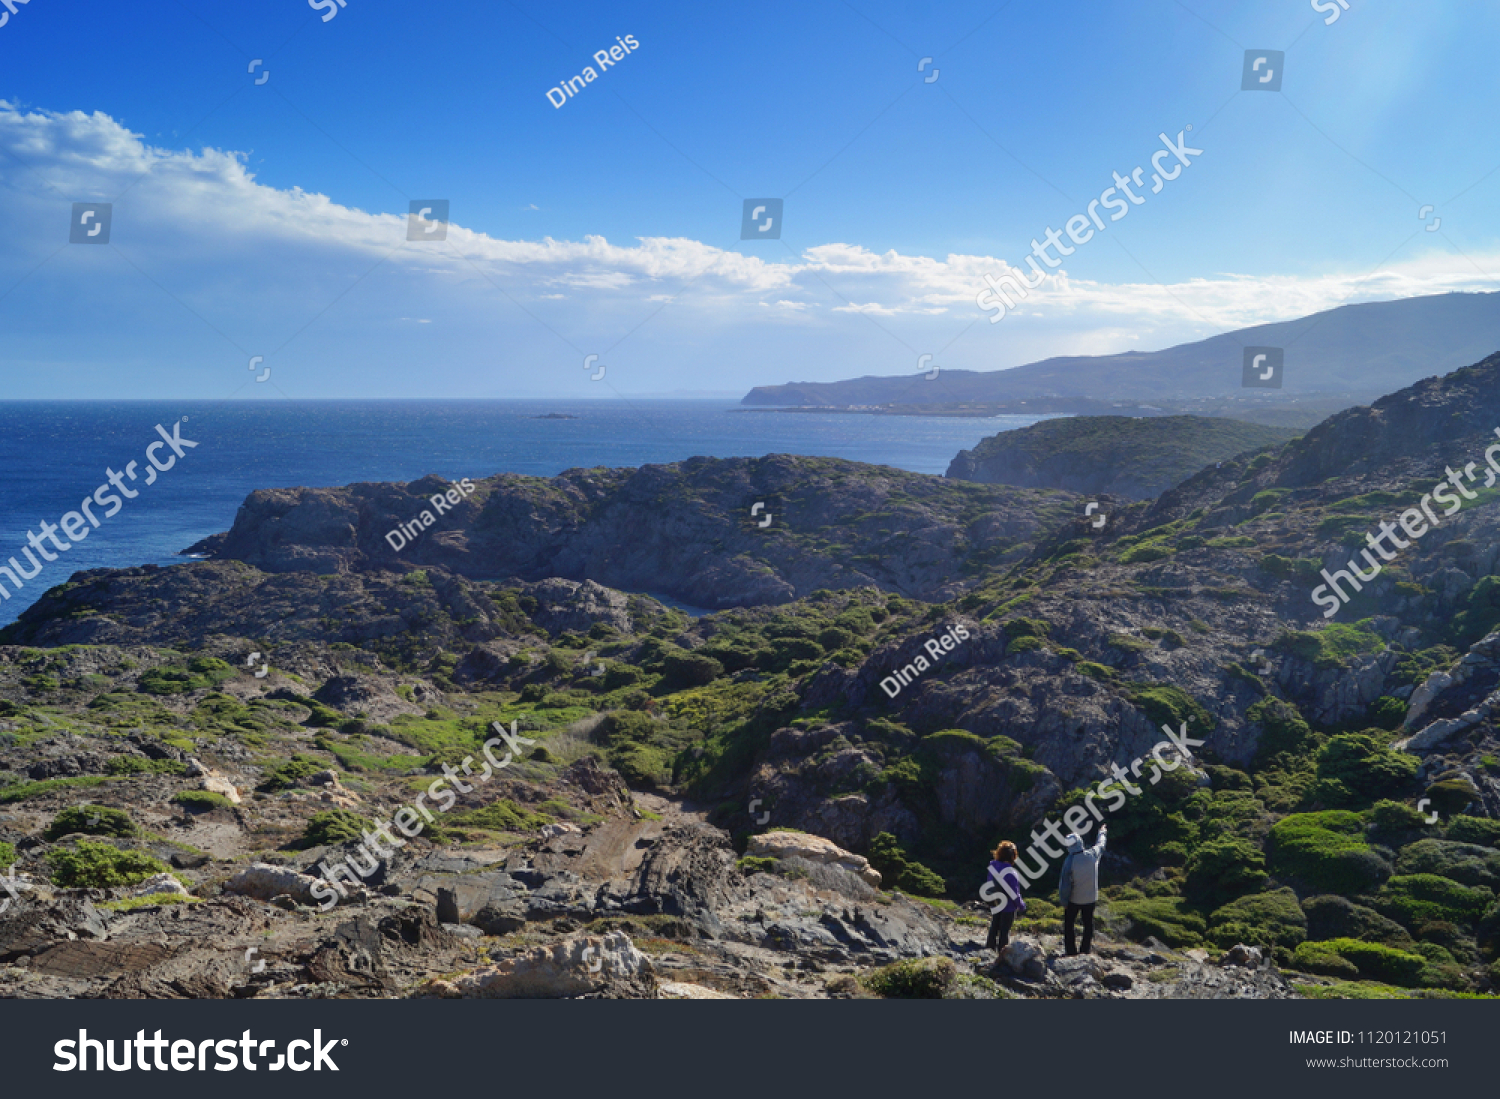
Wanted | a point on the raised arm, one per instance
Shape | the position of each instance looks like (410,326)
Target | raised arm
(1099,847)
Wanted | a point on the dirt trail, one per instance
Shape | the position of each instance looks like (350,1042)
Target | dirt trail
(615,848)
(672,810)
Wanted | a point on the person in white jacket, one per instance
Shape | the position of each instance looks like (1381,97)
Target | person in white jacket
(1078,888)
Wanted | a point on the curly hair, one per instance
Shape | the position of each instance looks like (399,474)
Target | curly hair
(1006,852)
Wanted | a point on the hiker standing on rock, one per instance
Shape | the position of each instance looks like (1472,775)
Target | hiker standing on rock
(1004,875)
(1079,888)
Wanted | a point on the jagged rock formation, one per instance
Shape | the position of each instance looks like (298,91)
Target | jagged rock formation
(686,530)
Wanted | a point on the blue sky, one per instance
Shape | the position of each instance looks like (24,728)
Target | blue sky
(270,220)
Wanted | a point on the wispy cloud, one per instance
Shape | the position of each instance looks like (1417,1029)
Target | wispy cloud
(235,267)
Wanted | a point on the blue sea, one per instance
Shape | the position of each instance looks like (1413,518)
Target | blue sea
(55,453)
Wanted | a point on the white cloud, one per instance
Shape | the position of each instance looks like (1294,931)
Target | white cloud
(264,267)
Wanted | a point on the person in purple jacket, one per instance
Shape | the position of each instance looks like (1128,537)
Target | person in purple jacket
(1003,885)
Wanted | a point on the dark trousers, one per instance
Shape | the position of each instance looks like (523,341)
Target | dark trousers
(1000,930)
(1069,915)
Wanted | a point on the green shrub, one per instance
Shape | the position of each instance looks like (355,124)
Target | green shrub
(321,717)
(1355,769)
(1465,863)
(1415,899)
(1371,960)
(1334,646)
(202,672)
(1276,565)
(1165,704)
(1317,958)
(1480,615)
(835,638)
(693,670)
(1163,918)
(1026,627)
(1262,919)
(1146,552)
(1223,869)
(1388,713)
(7,855)
(1458,945)
(913,979)
(1487,931)
(897,871)
(754,864)
(1283,733)
(1395,817)
(1266,499)
(502,815)
(1326,851)
(291,774)
(1452,795)
(617,676)
(1480,830)
(93,865)
(198,801)
(1330,917)
(90,820)
(333,826)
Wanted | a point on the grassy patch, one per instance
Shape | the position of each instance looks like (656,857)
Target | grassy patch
(199,801)
(130,904)
(27,790)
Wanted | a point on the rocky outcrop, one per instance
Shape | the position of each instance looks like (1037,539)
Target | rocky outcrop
(1480,667)
(158,885)
(265,882)
(571,967)
(800,845)
(701,543)
(213,782)
(1134,458)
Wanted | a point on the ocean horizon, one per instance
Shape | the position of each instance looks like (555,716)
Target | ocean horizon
(58,453)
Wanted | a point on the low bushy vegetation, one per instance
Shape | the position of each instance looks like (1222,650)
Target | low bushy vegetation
(95,865)
(333,826)
(913,979)
(90,820)
(201,801)
(898,871)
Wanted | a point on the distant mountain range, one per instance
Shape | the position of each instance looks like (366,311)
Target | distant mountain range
(1365,349)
